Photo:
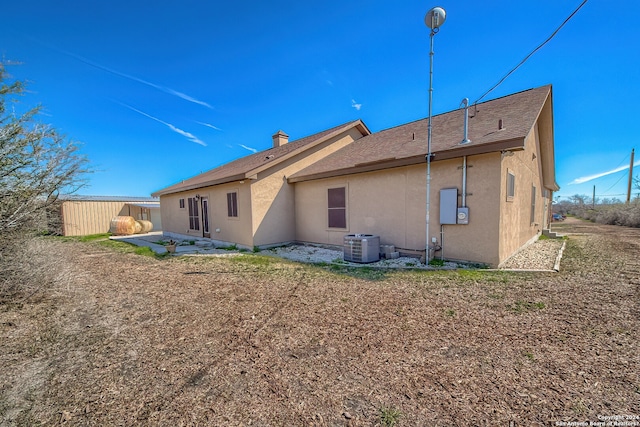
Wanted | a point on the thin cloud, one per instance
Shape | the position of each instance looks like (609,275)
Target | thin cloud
(191,137)
(584,179)
(325,76)
(253,150)
(164,89)
(209,126)
(355,105)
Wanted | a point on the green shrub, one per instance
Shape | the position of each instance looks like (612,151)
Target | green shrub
(389,416)
(436,262)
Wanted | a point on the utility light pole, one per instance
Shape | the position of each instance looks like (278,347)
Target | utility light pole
(433,19)
(630,176)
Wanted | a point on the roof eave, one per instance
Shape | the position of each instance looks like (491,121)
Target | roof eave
(552,187)
(252,174)
(362,168)
(484,148)
(547,155)
(191,187)
(511,144)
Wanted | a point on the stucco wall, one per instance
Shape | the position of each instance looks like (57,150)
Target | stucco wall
(266,202)
(273,199)
(516,228)
(377,203)
(392,204)
(477,241)
(222,227)
(273,206)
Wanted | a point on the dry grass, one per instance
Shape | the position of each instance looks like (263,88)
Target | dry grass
(120,339)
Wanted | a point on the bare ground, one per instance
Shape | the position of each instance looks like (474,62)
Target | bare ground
(122,339)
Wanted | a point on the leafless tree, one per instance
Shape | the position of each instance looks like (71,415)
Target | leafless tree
(578,199)
(36,164)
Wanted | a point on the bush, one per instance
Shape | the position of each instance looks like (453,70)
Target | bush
(627,215)
(27,267)
(36,165)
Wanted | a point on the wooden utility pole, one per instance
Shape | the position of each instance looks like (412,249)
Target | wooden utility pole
(630,176)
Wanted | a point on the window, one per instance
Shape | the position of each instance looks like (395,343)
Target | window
(511,185)
(194,221)
(232,204)
(181,203)
(337,207)
(533,204)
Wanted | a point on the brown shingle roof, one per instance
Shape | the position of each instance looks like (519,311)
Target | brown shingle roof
(246,166)
(407,144)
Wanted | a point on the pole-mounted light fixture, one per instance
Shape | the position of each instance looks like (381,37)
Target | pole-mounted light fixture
(434,18)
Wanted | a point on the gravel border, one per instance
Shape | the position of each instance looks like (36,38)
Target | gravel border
(541,255)
(315,255)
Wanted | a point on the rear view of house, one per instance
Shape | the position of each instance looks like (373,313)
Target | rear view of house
(491,189)
(249,201)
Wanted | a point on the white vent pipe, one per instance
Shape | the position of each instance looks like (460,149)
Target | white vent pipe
(465,103)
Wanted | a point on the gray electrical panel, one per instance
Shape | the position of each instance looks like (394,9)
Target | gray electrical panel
(449,206)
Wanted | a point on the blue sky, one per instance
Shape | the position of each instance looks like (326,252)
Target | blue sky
(159,91)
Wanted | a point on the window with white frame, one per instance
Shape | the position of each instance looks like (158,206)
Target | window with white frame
(533,204)
(511,185)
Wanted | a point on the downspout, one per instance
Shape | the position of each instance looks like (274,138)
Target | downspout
(464,181)
(441,242)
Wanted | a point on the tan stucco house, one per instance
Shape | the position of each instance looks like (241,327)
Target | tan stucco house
(347,180)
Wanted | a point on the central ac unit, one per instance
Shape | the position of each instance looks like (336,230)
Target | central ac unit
(361,248)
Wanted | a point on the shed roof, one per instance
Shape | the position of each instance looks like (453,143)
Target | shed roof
(155,205)
(125,199)
(407,144)
(247,166)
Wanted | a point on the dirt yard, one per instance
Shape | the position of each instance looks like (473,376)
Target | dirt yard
(124,339)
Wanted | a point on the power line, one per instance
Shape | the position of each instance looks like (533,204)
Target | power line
(621,175)
(615,183)
(532,52)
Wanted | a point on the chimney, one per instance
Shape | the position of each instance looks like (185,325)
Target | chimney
(280,138)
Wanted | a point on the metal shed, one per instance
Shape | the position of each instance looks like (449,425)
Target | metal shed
(85,215)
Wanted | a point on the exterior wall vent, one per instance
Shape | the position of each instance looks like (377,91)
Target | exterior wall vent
(362,248)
